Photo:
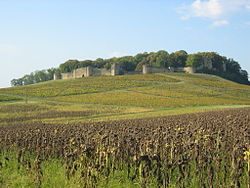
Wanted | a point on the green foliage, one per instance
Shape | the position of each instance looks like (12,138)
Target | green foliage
(149,90)
(35,77)
(162,58)
(9,98)
(241,77)
(178,59)
(88,85)
(99,63)
(233,70)
(194,60)
(69,66)
(84,64)
(127,63)
(16,82)
(157,59)
(233,66)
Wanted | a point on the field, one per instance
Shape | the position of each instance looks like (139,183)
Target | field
(199,150)
(158,130)
(122,97)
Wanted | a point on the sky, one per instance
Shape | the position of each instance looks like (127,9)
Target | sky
(36,35)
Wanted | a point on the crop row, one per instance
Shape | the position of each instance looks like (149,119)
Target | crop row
(86,85)
(203,150)
(145,98)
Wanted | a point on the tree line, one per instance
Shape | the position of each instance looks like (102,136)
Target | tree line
(157,59)
(35,77)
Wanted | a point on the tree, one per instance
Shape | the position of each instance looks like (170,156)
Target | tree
(69,66)
(99,63)
(127,63)
(84,63)
(194,60)
(158,59)
(17,82)
(141,57)
(28,79)
(51,73)
(232,66)
(178,59)
(162,58)
(215,58)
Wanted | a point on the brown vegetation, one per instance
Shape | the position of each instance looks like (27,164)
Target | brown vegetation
(206,149)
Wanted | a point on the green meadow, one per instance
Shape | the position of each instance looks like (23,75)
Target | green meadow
(121,97)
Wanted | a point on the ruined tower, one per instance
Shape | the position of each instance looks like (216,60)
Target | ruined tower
(115,69)
(57,76)
(145,69)
(89,71)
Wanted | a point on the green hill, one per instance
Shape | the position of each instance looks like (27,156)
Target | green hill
(119,97)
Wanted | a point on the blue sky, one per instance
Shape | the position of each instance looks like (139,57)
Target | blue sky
(37,35)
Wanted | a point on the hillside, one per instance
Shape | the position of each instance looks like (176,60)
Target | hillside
(120,97)
(180,61)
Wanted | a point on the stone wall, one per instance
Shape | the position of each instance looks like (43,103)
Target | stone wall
(131,72)
(116,70)
(81,72)
(65,76)
(150,70)
(190,70)
(178,69)
(99,72)
(90,71)
(57,77)
(105,72)
(77,73)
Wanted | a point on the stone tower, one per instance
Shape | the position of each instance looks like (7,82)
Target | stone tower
(89,71)
(145,69)
(115,69)
(57,76)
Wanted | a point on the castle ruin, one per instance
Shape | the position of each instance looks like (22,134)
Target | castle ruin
(116,70)
(90,71)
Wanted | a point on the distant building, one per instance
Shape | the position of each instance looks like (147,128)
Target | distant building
(89,71)
(116,70)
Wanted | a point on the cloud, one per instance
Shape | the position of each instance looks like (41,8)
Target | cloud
(207,9)
(220,23)
(215,10)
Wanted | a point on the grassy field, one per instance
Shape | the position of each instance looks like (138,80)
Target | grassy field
(122,97)
(6,98)
(120,132)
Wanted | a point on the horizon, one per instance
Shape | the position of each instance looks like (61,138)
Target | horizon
(42,35)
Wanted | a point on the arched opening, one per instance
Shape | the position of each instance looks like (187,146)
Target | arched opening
(83,76)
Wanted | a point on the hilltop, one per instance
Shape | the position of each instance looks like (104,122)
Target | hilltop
(121,97)
(180,61)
